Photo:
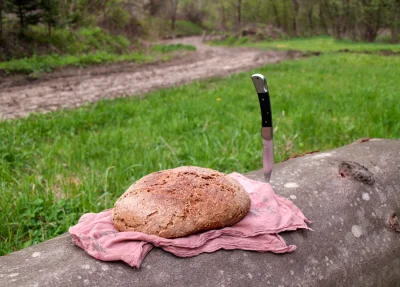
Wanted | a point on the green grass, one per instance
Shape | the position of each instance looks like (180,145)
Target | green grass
(314,44)
(187,28)
(55,167)
(160,28)
(86,46)
(39,64)
(37,41)
(172,47)
(83,40)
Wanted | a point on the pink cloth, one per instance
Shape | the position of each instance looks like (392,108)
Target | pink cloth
(269,214)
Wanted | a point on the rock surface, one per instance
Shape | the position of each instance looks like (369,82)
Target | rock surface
(350,193)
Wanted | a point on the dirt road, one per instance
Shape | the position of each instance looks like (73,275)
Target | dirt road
(70,88)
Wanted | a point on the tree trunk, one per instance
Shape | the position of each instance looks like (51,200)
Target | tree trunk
(173,20)
(296,14)
(310,21)
(395,21)
(394,31)
(1,19)
(345,17)
(20,14)
(323,20)
(378,21)
(239,16)
(355,30)
(373,24)
(370,34)
(222,11)
(174,7)
(276,14)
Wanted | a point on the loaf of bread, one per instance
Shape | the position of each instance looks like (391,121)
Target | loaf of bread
(181,201)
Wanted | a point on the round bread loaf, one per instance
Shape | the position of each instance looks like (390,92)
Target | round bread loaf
(181,201)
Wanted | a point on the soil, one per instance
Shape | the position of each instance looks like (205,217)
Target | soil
(378,52)
(73,87)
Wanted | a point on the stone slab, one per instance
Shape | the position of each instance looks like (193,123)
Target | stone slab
(351,245)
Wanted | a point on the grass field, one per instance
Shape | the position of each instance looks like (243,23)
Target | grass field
(161,28)
(47,63)
(55,167)
(314,44)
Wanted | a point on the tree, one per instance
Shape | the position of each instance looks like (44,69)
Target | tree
(174,8)
(1,18)
(154,7)
(222,15)
(276,14)
(50,13)
(296,8)
(374,14)
(194,13)
(305,17)
(27,11)
(322,19)
(371,19)
(395,21)
(239,14)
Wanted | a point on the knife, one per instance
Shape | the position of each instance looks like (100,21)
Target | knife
(260,83)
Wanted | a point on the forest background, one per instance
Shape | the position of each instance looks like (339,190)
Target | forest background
(38,27)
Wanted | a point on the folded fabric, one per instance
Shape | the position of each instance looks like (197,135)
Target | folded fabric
(269,214)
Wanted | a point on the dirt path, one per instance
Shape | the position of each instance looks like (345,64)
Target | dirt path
(72,88)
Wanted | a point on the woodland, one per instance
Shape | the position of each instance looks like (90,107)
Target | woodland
(25,23)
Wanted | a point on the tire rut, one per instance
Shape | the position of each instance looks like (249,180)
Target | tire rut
(77,87)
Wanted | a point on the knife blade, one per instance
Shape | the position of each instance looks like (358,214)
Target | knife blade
(260,83)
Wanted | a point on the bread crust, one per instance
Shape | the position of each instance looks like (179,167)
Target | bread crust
(181,201)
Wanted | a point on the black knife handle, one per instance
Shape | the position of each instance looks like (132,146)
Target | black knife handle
(265,105)
(260,83)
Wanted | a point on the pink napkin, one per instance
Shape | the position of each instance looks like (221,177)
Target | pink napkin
(269,214)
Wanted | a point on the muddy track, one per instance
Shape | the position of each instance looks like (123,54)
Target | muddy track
(70,88)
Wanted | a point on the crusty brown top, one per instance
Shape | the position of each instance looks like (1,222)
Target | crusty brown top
(181,201)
